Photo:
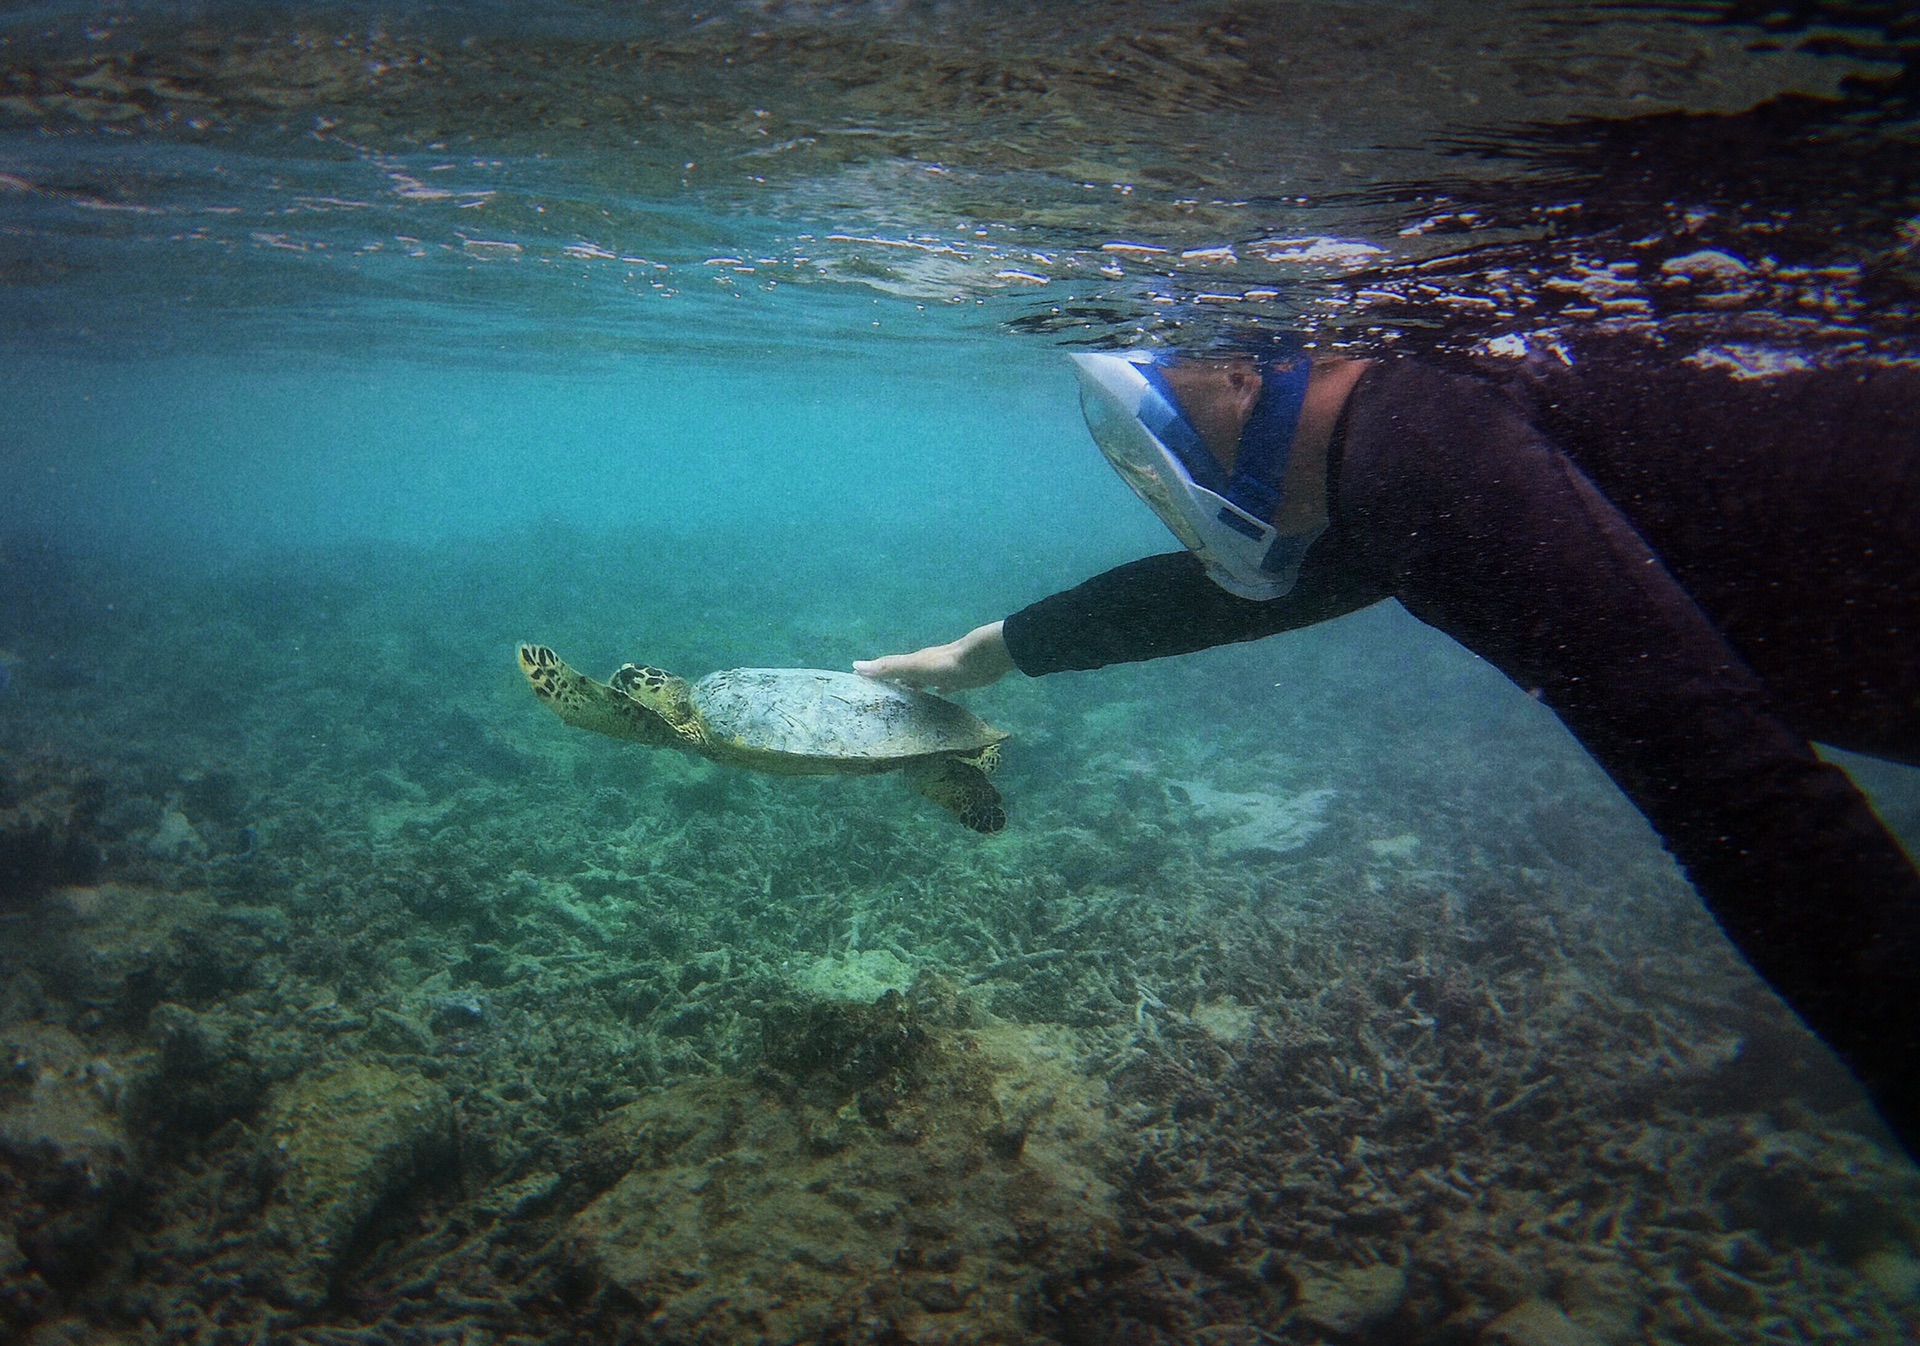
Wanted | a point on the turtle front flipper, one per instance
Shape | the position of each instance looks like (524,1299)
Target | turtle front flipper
(585,704)
(960,788)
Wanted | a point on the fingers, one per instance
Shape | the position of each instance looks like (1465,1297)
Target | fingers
(930,667)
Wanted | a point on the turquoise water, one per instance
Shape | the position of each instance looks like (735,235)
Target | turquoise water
(759,448)
(1318,989)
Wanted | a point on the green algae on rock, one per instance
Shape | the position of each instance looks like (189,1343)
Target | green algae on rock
(341,1142)
(65,1165)
(932,1199)
(1351,1301)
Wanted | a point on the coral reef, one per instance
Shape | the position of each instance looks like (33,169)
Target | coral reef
(454,1028)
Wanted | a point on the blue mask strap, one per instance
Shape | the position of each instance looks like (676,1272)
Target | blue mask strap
(1266,445)
(1164,417)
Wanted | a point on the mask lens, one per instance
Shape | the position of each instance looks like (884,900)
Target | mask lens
(1120,437)
(1141,463)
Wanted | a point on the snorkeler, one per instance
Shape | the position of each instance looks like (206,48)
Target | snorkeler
(1699,567)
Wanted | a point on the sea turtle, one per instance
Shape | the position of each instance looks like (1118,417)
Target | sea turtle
(791,721)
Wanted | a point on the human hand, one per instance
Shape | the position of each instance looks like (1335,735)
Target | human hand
(976,659)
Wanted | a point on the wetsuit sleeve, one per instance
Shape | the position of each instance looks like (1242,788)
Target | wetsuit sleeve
(1166,605)
(1482,528)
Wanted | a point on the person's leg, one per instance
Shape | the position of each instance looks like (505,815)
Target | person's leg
(1484,529)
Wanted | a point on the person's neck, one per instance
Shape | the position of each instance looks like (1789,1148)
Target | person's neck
(1304,509)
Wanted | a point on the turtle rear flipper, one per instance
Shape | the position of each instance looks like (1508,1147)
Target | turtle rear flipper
(585,704)
(962,789)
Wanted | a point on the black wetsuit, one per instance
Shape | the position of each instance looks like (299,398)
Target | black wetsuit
(1698,572)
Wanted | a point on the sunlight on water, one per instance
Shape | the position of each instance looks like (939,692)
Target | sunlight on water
(611,182)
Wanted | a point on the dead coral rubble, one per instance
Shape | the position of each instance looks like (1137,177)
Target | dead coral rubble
(1427,1152)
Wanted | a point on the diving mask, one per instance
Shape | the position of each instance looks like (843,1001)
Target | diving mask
(1224,519)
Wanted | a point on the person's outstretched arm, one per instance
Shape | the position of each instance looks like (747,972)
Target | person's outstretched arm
(1145,609)
(976,659)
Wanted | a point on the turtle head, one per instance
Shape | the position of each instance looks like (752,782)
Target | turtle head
(668,697)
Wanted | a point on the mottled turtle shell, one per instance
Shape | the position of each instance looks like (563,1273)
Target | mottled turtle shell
(818,713)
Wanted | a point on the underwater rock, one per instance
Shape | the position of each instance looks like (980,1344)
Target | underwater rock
(73,1332)
(1605,1300)
(1894,1272)
(1708,265)
(962,1175)
(1535,1322)
(1400,846)
(1349,1301)
(124,949)
(843,1048)
(1225,1020)
(65,1163)
(201,1077)
(856,974)
(458,1010)
(175,839)
(392,1031)
(340,1143)
(24,1294)
(219,796)
(49,821)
